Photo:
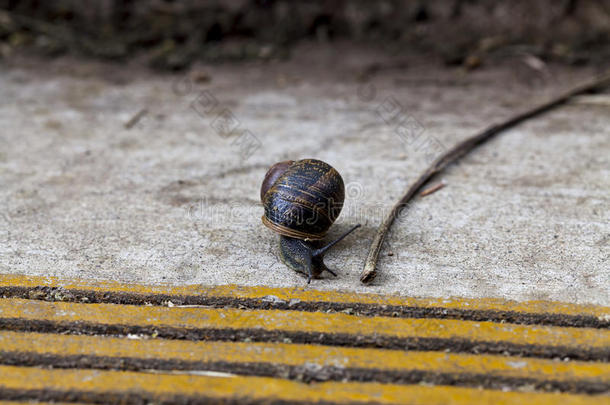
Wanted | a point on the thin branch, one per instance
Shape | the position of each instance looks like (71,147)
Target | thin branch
(136,118)
(457,152)
(432,189)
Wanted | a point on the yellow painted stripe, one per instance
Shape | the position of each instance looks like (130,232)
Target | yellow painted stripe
(307,294)
(316,322)
(300,354)
(36,403)
(263,388)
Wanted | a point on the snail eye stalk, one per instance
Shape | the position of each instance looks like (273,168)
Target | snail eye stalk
(322,250)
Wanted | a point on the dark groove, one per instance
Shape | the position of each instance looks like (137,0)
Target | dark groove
(124,298)
(304,373)
(132,398)
(259,335)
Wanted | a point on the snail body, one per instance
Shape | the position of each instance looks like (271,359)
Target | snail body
(302,199)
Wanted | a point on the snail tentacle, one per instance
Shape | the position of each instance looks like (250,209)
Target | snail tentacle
(322,250)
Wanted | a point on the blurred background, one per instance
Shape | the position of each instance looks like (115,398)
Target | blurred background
(171,35)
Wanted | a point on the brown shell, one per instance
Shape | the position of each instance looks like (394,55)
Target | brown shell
(272,175)
(304,200)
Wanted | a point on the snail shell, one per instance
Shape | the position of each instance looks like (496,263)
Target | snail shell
(302,198)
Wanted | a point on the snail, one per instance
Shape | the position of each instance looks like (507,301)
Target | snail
(302,199)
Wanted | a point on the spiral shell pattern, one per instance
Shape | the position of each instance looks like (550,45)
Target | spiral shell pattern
(304,200)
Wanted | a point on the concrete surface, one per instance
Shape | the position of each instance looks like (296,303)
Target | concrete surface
(174,199)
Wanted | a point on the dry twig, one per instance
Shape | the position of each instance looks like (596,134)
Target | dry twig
(458,151)
(432,189)
(136,118)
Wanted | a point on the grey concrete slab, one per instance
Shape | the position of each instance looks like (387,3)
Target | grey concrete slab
(173,200)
